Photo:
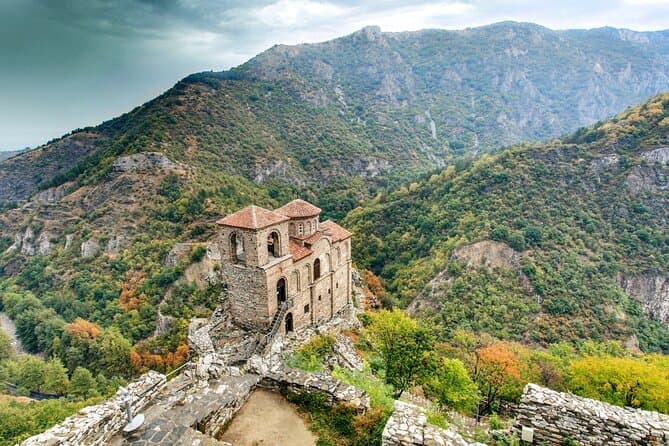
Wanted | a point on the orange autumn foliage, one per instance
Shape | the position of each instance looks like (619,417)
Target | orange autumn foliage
(162,362)
(497,371)
(129,300)
(498,362)
(82,329)
(373,283)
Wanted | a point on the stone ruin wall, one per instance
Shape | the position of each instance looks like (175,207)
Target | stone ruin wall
(556,417)
(408,426)
(95,425)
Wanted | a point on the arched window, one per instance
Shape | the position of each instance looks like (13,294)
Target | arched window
(295,278)
(237,248)
(300,229)
(317,268)
(273,247)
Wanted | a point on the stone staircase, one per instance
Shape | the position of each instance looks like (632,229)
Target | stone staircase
(276,324)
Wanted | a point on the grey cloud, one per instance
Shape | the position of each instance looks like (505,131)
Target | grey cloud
(71,63)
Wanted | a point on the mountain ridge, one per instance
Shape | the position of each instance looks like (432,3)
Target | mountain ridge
(373,104)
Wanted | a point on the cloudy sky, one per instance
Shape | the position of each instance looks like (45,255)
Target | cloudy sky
(71,63)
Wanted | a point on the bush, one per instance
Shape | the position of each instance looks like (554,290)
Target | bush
(198,254)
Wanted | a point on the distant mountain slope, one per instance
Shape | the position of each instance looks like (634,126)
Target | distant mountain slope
(567,240)
(372,106)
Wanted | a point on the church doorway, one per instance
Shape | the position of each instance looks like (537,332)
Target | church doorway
(281,291)
(289,323)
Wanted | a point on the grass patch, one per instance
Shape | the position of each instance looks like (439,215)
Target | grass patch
(311,355)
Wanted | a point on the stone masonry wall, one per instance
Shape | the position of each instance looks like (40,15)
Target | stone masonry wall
(408,426)
(556,416)
(248,295)
(95,425)
(298,381)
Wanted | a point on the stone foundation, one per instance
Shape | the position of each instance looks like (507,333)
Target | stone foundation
(556,417)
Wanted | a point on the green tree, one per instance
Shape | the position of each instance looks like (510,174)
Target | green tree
(6,347)
(452,386)
(82,384)
(31,373)
(55,377)
(113,353)
(405,347)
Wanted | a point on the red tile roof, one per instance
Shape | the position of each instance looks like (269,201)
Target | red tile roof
(313,237)
(298,209)
(334,231)
(252,217)
(298,251)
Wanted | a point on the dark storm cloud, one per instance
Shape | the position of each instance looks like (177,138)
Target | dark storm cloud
(71,63)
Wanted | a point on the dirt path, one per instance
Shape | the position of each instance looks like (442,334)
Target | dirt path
(267,419)
(8,327)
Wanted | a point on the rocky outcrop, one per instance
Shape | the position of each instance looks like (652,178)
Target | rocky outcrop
(143,161)
(115,244)
(90,248)
(652,291)
(486,253)
(30,245)
(95,425)
(27,247)
(647,179)
(408,426)
(489,254)
(660,156)
(178,253)
(51,195)
(344,354)
(553,417)
(43,246)
(69,238)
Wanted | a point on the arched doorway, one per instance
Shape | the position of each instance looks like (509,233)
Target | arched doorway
(289,322)
(281,291)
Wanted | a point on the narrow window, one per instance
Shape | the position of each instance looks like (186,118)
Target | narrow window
(273,244)
(237,248)
(306,309)
(300,229)
(317,268)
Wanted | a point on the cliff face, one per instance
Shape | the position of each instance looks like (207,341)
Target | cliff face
(652,291)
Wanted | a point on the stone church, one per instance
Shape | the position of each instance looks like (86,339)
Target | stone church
(284,264)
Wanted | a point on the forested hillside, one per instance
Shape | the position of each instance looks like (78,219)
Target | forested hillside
(368,108)
(535,243)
